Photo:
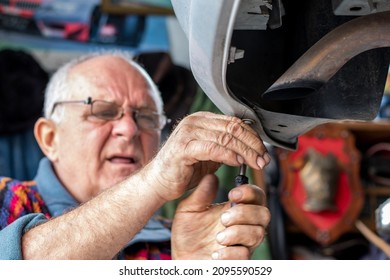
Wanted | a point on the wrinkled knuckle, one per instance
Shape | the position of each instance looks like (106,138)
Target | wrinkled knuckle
(186,128)
(187,144)
(224,139)
(234,126)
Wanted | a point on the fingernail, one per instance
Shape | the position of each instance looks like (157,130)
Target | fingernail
(215,256)
(260,162)
(221,236)
(225,218)
(240,159)
(267,157)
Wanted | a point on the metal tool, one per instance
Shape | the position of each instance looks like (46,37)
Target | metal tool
(241,178)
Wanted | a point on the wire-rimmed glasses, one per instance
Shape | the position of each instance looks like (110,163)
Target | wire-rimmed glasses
(145,118)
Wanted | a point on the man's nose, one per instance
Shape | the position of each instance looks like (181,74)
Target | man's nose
(126,126)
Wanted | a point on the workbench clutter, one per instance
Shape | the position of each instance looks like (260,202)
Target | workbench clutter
(320,187)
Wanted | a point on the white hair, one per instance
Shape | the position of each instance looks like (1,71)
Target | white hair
(58,87)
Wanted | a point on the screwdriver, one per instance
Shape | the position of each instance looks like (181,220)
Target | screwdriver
(241,179)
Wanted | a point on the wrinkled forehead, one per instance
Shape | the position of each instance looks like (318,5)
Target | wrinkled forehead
(113,79)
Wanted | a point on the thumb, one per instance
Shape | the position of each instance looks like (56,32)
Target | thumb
(203,195)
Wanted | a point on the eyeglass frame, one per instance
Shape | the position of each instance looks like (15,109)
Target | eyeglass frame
(163,120)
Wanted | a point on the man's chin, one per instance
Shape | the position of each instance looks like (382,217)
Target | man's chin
(114,179)
(123,170)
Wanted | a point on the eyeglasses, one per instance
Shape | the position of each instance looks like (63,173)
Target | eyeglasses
(146,119)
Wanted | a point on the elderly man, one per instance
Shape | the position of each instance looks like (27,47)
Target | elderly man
(103,180)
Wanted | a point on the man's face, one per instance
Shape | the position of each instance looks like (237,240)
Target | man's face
(92,154)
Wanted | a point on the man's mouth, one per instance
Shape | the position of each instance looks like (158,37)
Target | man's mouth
(122,160)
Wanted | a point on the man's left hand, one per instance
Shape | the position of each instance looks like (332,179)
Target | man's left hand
(202,230)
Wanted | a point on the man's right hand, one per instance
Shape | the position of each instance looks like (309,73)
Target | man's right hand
(199,144)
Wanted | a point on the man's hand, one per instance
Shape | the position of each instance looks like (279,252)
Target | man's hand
(202,230)
(198,145)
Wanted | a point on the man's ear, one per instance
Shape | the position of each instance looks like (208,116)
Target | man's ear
(45,132)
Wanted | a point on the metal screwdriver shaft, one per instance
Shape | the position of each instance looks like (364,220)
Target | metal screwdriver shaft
(241,178)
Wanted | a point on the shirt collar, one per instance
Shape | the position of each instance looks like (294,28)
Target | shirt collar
(58,200)
(56,197)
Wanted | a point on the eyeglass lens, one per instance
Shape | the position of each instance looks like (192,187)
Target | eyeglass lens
(144,118)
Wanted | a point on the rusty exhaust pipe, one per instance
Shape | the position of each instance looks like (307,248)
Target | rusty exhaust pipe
(313,69)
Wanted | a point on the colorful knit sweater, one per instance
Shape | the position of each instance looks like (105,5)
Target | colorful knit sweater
(21,198)
(18,199)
